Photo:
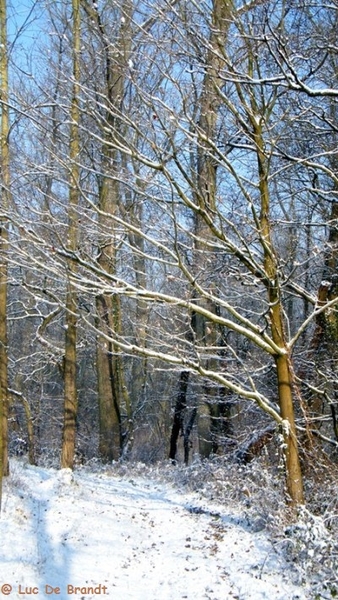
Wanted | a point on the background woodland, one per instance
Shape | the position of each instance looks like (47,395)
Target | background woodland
(169,233)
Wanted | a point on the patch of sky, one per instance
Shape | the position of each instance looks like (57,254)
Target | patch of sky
(25,29)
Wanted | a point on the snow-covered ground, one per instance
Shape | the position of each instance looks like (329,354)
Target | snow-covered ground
(99,534)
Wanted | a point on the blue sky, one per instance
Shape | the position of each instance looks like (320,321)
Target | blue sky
(24,26)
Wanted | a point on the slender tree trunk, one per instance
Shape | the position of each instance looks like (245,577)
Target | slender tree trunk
(70,359)
(30,426)
(187,432)
(284,372)
(323,347)
(210,102)
(5,182)
(113,395)
(180,406)
(110,426)
(134,207)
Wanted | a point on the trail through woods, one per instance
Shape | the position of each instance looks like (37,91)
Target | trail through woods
(96,535)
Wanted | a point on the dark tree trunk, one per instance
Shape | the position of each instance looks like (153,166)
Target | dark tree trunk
(180,406)
(187,432)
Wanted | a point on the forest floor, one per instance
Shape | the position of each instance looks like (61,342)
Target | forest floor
(100,533)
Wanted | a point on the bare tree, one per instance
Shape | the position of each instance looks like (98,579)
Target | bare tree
(70,358)
(201,181)
(214,234)
(5,190)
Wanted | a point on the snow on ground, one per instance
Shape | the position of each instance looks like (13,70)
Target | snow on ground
(94,535)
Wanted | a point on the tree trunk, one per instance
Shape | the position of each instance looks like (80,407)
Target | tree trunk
(140,364)
(206,187)
(112,391)
(5,183)
(110,426)
(180,406)
(187,432)
(70,358)
(294,482)
(323,347)
(29,423)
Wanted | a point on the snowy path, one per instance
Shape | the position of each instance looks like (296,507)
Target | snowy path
(129,539)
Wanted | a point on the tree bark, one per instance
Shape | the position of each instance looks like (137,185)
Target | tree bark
(179,411)
(209,104)
(70,358)
(110,426)
(294,481)
(113,396)
(187,432)
(5,185)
